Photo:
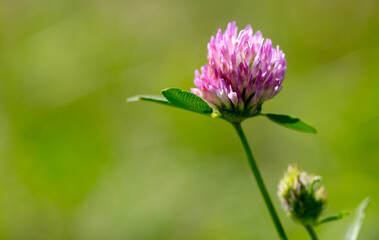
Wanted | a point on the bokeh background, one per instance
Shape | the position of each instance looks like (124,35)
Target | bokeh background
(78,162)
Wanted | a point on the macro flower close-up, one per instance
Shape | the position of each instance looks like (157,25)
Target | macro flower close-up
(186,120)
(243,71)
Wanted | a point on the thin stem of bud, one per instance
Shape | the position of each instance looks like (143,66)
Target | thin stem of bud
(311,232)
(260,183)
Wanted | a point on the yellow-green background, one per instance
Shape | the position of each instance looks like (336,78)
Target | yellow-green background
(78,162)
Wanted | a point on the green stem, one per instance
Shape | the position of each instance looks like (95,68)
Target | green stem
(259,180)
(311,232)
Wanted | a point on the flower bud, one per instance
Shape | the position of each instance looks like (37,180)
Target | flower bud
(302,198)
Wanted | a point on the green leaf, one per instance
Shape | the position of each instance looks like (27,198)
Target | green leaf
(353,231)
(177,98)
(291,122)
(186,100)
(334,217)
(156,99)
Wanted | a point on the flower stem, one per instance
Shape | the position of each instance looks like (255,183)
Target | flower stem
(259,180)
(311,232)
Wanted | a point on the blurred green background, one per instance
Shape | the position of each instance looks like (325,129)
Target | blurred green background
(78,162)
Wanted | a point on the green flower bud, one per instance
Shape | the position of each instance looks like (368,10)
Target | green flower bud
(302,197)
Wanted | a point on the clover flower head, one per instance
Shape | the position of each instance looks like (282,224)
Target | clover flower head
(301,196)
(242,72)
